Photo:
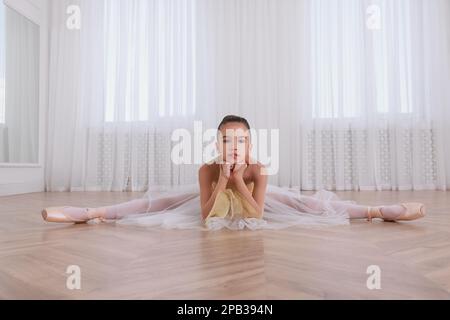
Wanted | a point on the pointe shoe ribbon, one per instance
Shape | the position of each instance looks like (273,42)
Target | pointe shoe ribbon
(67,214)
(414,211)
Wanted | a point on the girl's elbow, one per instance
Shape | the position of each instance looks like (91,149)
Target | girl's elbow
(258,214)
(261,212)
(204,214)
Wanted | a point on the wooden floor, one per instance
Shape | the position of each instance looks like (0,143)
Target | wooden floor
(119,262)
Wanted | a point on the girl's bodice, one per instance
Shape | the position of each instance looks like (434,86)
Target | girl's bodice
(231,204)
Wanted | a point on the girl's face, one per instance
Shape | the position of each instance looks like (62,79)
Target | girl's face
(234,143)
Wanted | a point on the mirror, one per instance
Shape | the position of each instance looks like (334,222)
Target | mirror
(19,88)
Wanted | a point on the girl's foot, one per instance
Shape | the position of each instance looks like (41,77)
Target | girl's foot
(71,214)
(403,211)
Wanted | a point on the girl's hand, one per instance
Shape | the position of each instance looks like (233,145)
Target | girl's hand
(238,171)
(225,171)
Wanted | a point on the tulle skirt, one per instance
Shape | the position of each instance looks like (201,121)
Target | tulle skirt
(284,208)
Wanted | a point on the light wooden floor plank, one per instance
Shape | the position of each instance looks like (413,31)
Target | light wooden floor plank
(120,262)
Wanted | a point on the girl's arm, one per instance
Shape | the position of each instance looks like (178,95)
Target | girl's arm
(256,200)
(207,195)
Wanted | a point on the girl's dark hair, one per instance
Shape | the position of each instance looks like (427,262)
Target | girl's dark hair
(233,118)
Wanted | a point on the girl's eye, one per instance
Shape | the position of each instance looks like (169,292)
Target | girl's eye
(228,140)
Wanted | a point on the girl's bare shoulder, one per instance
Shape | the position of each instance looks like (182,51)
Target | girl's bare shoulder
(208,169)
(257,169)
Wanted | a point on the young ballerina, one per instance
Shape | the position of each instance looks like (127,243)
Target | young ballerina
(233,193)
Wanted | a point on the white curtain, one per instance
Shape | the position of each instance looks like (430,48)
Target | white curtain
(355,87)
(121,84)
(378,95)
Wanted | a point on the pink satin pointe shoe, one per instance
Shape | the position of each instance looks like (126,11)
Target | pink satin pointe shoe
(414,211)
(68,214)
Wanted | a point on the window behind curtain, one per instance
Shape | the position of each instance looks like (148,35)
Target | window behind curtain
(150,64)
(149,54)
(362,57)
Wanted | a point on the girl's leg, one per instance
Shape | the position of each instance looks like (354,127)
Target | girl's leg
(118,211)
(80,214)
(143,205)
(357,211)
(121,210)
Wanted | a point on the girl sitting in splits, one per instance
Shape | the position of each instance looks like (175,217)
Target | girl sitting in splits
(233,193)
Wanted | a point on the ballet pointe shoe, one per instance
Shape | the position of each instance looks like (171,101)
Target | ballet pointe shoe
(64,215)
(414,211)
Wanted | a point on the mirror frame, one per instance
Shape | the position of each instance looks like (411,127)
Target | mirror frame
(36,15)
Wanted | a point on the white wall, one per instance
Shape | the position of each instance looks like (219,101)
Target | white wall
(20,178)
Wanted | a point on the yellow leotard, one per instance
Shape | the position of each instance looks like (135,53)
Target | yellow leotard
(231,204)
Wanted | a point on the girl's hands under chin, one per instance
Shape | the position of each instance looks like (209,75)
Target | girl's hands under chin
(225,170)
(237,171)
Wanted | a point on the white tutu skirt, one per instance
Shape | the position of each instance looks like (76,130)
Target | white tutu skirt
(284,207)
